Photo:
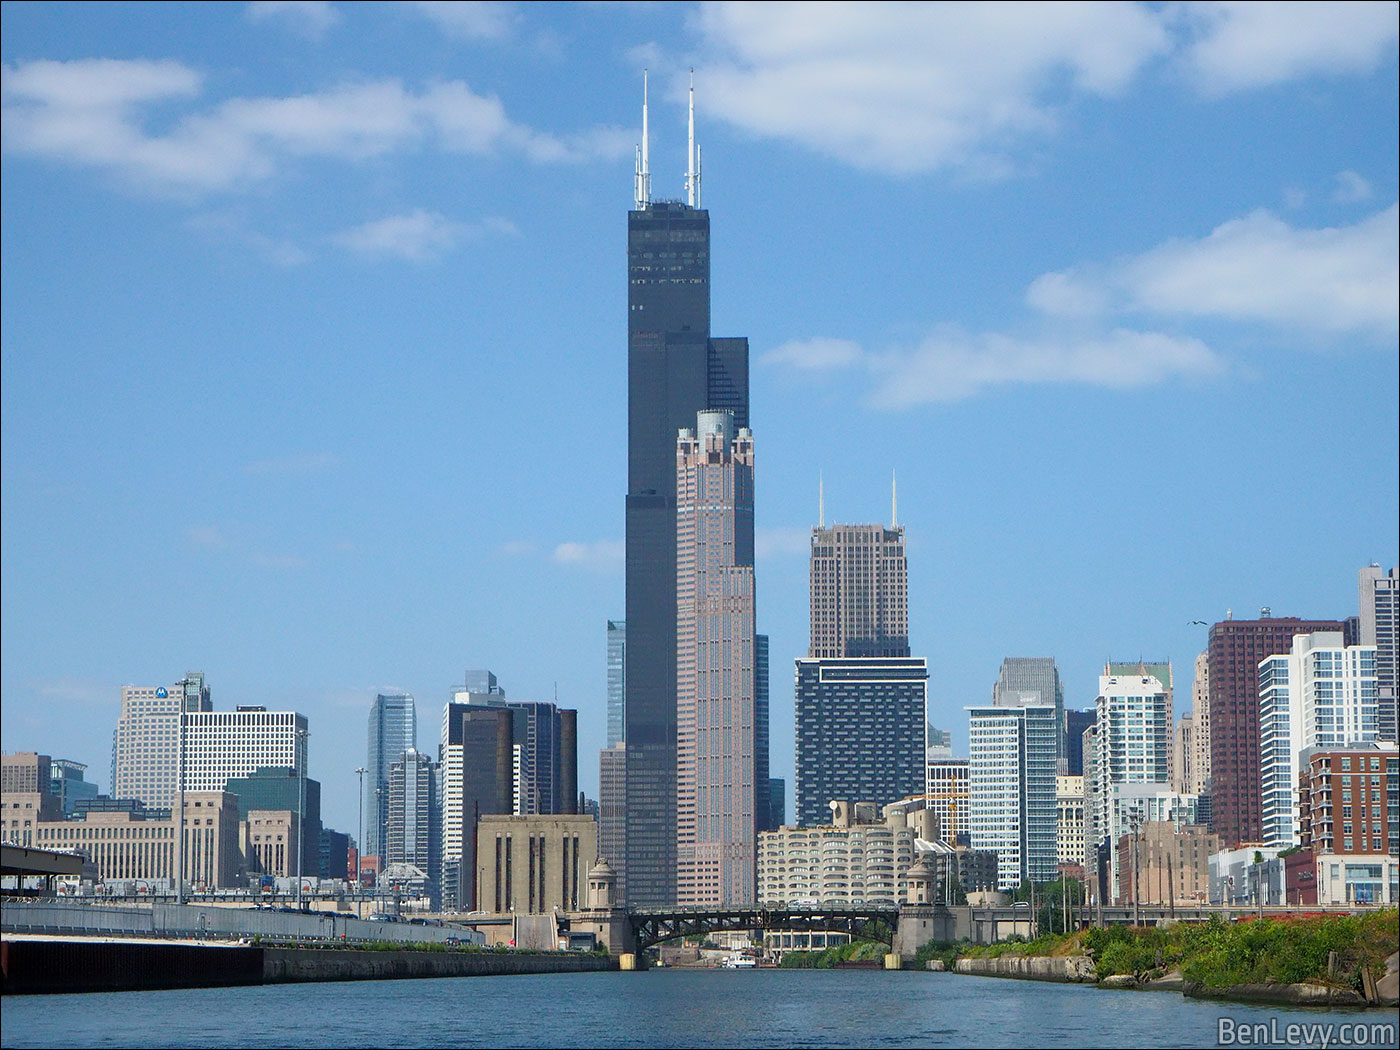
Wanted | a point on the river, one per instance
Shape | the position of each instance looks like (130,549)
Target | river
(661,1008)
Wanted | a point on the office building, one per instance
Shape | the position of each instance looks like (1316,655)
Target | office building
(146,742)
(1349,800)
(718,775)
(1075,724)
(1069,823)
(222,745)
(68,783)
(477,760)
(393,729)
(1200,714)
(1167,862)
(26,798)
(612,812)
(1233,654)
(675,369)
(413,831)
(860,732)
(545,746)
(334,860)
(279,790)
(1320,694)
(1013,756)
(1380,626)
(859,592)
(1033,681)
(129,842)
(617,676)
(1188,757)
(947,796)
(777,803)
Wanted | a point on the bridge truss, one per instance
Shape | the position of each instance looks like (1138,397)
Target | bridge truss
(654,927)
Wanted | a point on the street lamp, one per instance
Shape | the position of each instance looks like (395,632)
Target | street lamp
(360,847)
(180,807)
(301,736)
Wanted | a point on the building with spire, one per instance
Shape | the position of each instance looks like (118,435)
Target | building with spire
(675,370)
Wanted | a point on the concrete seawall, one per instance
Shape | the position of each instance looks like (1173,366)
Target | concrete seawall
(47,966)
(1068,969)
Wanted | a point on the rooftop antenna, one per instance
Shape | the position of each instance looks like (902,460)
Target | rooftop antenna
(692,155)
(894,503)
(642,187)
(821,503)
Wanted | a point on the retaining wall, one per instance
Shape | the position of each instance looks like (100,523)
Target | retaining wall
(1071,969)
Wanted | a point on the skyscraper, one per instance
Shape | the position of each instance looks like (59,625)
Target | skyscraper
(413,833)
(675,370)
(861,700)
(717,812)
(477,766)
(1233,654)
(1013,755)
(393,729)
(1032,680)
(617,675)
(1380,626)
(860,592)
(146,742)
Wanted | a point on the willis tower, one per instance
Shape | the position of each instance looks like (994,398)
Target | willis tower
(674,370)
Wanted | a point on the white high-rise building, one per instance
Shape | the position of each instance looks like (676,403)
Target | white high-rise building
(1321,694)
(1380,626)
(145,744)
(1013,755)
(1133,726)
(220,745)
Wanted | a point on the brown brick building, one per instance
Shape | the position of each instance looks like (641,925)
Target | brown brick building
(1233,655)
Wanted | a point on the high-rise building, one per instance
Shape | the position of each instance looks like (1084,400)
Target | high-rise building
(1320,694)
(1380,626)
(612,813)
(860,732)
(393,729)
(675,369)
(617,676)
(1069,831)
(413,832)
(1234,651)
(146,742)
(477,760)
(1013,756)
(1075,724)
(1033,680)
(1200,712)
(947,797)
(777,803)
(68,783)
(278,789)
(717,812)
(1134,711)
(860,592)
(222,745)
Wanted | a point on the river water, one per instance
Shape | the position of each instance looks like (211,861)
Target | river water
(660,1008)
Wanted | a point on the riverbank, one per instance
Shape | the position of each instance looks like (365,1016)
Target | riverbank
(1323,960)
(41,966)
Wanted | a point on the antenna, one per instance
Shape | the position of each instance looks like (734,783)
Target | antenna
(642,188)
(821,503)
(692,155)
(894,503)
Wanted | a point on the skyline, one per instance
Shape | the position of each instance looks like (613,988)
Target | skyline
(297,295)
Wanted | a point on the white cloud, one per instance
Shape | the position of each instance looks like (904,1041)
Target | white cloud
(310,18)
(1256,268)
(210,537)
(779,541)
(1243,45)
(89,112)
(298,464)
(906,88)
(951,365)
(418,236)
(1351,188)
(468,20)
(815,355)
(599,555)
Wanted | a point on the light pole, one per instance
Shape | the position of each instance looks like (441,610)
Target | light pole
(180,808)
(360,847)
(301,736)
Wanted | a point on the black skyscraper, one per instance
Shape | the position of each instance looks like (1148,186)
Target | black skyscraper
(674,370)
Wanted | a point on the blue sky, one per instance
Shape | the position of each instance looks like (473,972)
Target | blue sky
(314,367)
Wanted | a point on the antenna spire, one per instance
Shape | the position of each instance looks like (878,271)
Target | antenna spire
(821,503)
(894,502)
(692,155)
(642,187)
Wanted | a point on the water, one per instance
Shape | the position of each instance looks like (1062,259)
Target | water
(663,1008)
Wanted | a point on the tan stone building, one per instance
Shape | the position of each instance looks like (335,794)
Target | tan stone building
(268,838)
(125,840)
(534,864)
(1170,858)
(846,863)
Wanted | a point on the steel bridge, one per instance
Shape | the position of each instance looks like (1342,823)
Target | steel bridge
(654,927)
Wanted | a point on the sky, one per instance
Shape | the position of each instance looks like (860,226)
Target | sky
(314,336)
